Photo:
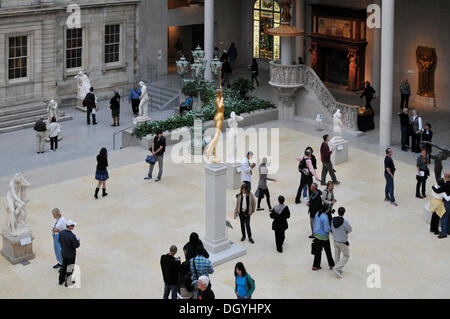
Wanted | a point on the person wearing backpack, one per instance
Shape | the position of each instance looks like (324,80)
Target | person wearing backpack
(244,283)
(307,171)
(185,281)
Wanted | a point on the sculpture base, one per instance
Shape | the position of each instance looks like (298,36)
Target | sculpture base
(233,177)
(340,151)
(141,119)
(19,248)
(80,106)
(232,252)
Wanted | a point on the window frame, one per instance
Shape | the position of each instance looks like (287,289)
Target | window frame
(121,64)
(28,78)
(84,52)
(120,61)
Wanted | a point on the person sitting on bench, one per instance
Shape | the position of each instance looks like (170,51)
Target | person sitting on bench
(187,106)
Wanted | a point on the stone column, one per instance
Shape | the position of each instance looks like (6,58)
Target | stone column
(286,51)
(209,37)
(216,242)
(376,58)
(286,103)
(300,23)
(387,72)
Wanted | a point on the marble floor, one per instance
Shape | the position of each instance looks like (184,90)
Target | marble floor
(124,234)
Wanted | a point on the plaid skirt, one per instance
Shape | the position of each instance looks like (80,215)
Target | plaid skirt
(101,175)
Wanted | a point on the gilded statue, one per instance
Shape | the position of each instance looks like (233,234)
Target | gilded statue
(218,120)
(426,62)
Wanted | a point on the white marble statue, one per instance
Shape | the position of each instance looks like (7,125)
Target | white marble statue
(337,123)
(52,111)
(233,133)
(143,105)
(16,201)
(84,85)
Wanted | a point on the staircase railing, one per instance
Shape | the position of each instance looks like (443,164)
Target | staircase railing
(116,133)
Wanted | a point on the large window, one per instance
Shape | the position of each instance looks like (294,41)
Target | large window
(112,43)
(18,57)
(74,48)
(266,15)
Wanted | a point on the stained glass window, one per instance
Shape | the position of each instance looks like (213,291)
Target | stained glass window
(266,15)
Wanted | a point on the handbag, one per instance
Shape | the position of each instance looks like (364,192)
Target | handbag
(258,193)
(150,159)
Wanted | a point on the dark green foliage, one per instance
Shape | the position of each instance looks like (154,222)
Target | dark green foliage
(242,86)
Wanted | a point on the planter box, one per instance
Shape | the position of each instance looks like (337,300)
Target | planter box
(250,119)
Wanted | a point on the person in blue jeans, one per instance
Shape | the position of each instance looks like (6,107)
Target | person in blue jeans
(60,224)
(445,220)
(389,171)
(244,284)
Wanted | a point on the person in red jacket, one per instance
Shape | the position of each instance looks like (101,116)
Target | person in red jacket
(327,166)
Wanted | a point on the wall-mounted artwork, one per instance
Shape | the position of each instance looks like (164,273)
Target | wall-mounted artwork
(334,27)
(426,62)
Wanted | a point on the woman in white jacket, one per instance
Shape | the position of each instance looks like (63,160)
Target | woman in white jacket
(54,130)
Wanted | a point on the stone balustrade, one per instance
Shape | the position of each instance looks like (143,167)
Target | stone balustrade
(287,76)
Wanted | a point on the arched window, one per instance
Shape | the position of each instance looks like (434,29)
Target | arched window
(266,15)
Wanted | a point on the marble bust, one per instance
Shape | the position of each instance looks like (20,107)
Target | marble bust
(15,201)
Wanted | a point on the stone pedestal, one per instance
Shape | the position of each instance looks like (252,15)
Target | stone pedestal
(17,248)
(80,106)
(220,249)
(340,150)
(233,177)
(141,119)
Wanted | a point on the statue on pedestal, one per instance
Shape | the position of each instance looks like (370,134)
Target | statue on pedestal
(233,134)
(16,201)
(143,105)
(426,62)
(218,120)
(52,111)
(337,129)
(84,85)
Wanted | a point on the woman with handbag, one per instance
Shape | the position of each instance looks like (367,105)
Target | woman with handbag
(101,174)
(245,207)
(244,285)
(280,214)
(263,190)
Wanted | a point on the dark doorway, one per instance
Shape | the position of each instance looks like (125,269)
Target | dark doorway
(190,36)
(335,66)
(198,35)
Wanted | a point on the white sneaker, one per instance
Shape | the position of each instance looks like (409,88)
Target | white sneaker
(338,273)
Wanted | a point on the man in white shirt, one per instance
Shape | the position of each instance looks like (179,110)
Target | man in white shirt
(246,170)
(416,122)
(59,225)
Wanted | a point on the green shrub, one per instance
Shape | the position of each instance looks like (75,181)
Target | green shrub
(242,86)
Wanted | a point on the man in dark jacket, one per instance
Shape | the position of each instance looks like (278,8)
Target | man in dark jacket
(170,267)
(369,93)
(315,204)
(69,243)
(404,126)
(205,289)
(158,148)
(327,166)
(89,102)
(115,108)
(445,220)
(40,129)
(226,74)
(280,214)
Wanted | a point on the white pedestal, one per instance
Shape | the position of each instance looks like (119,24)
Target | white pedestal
(340,151)
(233,177)
(80,106)
(141,119)
(220,249)
(17,248)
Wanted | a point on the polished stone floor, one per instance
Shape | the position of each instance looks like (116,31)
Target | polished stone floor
(124,234)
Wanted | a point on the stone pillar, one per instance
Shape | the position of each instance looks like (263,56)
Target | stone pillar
(300,23)
(286,51)
(286,103)
(376,58)
(387,72)
(209,37)
(216,241)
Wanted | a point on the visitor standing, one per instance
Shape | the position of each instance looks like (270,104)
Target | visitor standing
(307,172)
(54,130)
(191,247)
(199,266)
(254,68)
(427,136)
(437,208)
(369,94)
(422,174)
(226,74)
(300,60)
(306,188)
(244,285)
(315,205)
(158,148)
(115,108)
(101,174)
(327,166)
(246,170)
(134,96)
(404,127)
(341,228)
(40,129)
(232,52)
(280,214)
(321,240)
(225,56)
(405,91)
(389,171)
(204,287)
(170,267)
(179,48)
(91,106)
(445,220)
(417,128)
(69,243)
(58,227)
(263,190)
(245,207)
(328,200)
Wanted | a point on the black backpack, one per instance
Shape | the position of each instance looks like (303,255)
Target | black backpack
(302,168)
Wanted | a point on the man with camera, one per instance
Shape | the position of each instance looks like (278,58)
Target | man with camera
(170,267)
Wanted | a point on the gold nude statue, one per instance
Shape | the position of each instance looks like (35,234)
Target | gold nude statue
(218,120)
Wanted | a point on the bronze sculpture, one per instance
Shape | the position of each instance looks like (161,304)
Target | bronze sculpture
(426,62)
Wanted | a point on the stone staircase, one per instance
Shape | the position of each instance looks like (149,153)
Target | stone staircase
(24,116)
(161,97)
